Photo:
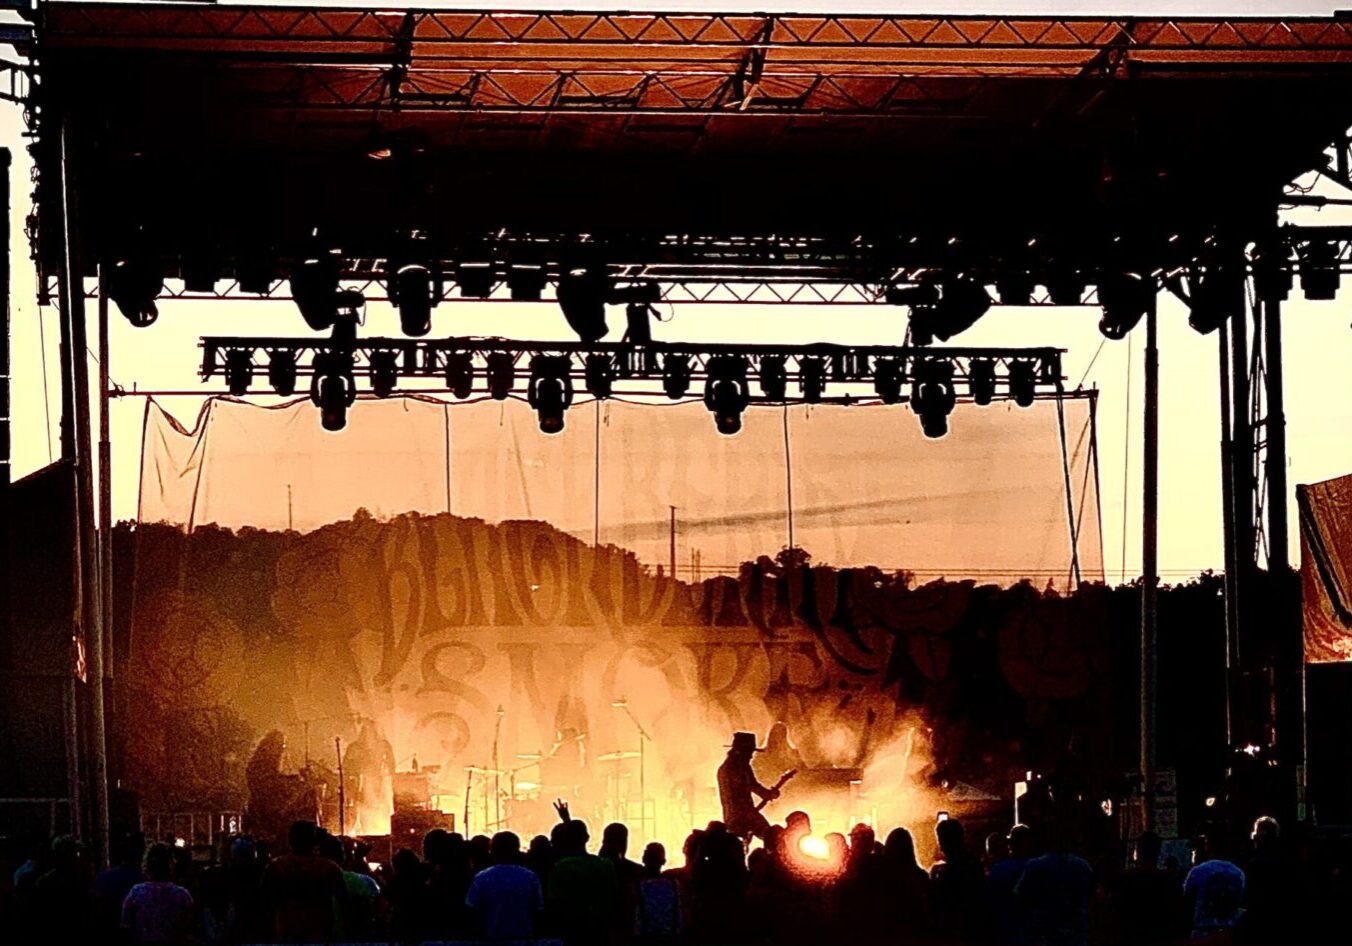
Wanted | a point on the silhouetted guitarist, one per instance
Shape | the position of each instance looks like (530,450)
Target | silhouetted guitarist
(737,785)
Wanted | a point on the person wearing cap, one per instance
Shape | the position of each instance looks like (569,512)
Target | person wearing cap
(737,784)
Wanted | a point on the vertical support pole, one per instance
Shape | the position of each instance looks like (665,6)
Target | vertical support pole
(1241,457)
(1278,555)
(342,787)
(105,494)
(91,610)
(1149,557)
(673,543)
(1227,526)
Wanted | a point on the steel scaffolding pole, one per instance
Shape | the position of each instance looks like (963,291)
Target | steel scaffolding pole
(1279,559)
(1149,558)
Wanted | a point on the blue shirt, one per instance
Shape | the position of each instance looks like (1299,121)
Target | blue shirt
(507,897)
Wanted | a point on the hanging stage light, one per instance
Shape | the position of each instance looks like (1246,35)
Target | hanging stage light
(774,377)
(415,289)
(1125,298)
(238,370)
(600,374)
(314,286)
(1319,276)
(501,375)
(200,269)
(384,372)
(727,392)
(888,377)
(1015,287)
(460,373)
(1214,295)
(133,284)
(942,308)
(676,373)
(255,272)
(812,378)
(1066,287)
(282,371)
(981,379)
(582,297)
(475,280)
(1023,381)
(1272,278)
(526,283)
(551,390)
(333,389)
(932,396)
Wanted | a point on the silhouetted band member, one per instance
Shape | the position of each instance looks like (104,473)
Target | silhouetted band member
(737,785)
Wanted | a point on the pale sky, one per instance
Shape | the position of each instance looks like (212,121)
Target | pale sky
(1317,337)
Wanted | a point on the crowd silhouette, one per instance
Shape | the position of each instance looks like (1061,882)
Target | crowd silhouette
(1027,887)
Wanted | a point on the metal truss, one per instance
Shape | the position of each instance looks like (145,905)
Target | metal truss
(639,370)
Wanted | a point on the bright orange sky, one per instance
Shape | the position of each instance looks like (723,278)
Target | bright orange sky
(1317,338)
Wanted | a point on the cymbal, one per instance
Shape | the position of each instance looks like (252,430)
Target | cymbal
(530,756)
(616,756)
(483,771)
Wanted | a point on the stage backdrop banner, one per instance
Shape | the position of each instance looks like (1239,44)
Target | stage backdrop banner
(1326,568)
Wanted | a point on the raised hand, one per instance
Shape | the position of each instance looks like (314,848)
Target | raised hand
(561,807)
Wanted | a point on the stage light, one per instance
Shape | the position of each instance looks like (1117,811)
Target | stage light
(1125,298)
(1272,278)
(460,373)
(314,286)
(1066,287)
(814,847)
(1015,288)
(600,375)
(774,377)
(981,379)
(255,273)
(582,297)
(501,375)
(888,377)
(1215,294)
(133,285)
(1023,381)
(551,390)
(676,375)
(238,370)
(1319,276)
(415,289)
(384,372)
(638,319)
(200,270)
(475,280)
(282,371)
(961,303)
(932,396)
(812,378)
(333,389)
(526,283)
(727,392)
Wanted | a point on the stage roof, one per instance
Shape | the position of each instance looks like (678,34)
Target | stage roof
(681,145)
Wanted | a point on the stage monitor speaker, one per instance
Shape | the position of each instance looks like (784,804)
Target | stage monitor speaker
(1328,694)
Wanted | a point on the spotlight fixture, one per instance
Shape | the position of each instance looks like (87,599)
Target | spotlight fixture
(981,379)
(1214,295)
(582,297)
(526,283)
(1125,298)
(200,269)
(384,372)
(133,284)
(727,392)
(551,390)
(1066,287)
(676,373)
(501,375)
(1023,381)
(600,375)
(774,377)
(282,371)
(1272,279)
(888,377)
(932,396)
(415,289)
(1015,287)
(954,305)
(333,388)
(255,273)
(475,280)
(460,373)
(1319,277)
(238,370)
(812,378)
(314,286)
(638,317)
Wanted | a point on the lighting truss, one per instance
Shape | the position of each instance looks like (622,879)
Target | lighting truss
(638,371)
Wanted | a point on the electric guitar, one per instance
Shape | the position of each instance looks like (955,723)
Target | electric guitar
(777,786)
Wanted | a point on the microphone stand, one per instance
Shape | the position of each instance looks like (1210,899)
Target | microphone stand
(643,739)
